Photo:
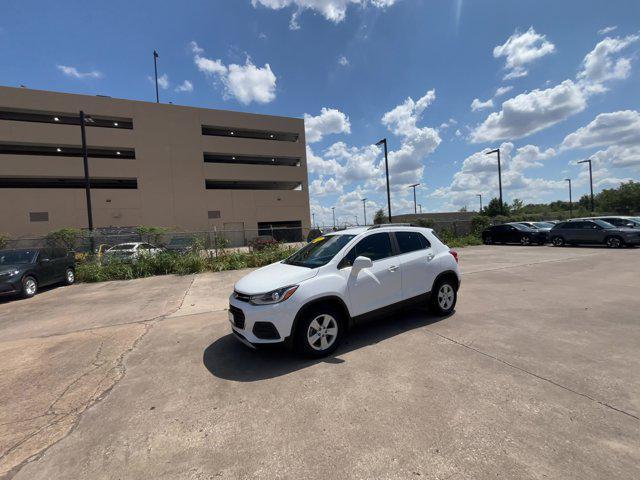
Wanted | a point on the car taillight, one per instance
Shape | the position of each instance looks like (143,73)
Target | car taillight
(455,254)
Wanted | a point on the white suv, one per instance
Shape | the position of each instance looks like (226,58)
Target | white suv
(313,297)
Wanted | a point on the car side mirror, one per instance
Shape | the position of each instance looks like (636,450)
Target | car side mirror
(360,263)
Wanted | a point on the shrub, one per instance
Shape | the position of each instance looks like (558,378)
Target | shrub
(425,222)
(379,217)
(150,234)
(67,238)
(479,223)
(4,241)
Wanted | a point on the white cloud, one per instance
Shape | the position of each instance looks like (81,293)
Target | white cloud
(530,156)
(246,83)
(185,86)
(163,81)
(615,128)
(321,187)
(502,90)
(321,166)
(458,133)
(520,49)
(330,121)
(333,10)
(74,73)
(359,163)
(600,65)
(478,104)
(344,61)
(531,112)
(449,123)
(605,30)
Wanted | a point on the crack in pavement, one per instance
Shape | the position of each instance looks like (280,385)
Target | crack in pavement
(75,414)
(528,372)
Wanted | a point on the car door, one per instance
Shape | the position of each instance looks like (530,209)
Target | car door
(512,234)
(46,267)
(498,233)
(415,257)
(58,259)
(573,232)
(591,233)
(379,286)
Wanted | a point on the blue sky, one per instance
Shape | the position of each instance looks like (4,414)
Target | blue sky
(360,70)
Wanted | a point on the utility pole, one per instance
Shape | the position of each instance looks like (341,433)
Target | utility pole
(480,196)
(333,209)
(85,158)
(590,181)
(313,219)
(420,207)
(570,201)
(386,169)
(415,204)
(155,67)
(497,150)
(364,207)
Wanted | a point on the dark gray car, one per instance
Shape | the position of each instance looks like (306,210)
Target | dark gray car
(593,232)
(23,271)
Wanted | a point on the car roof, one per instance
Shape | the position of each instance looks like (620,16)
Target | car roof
(385,227)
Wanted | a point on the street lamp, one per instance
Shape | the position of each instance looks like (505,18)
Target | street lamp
(588,160)
(333,209)
(364,207)
(155,67)
(313,219)
(420,207)
(570,204)
(386,169)
(479,195)
(85,157)
(497,150)
(415,204)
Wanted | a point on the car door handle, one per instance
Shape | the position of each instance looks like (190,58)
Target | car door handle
(429,257)
(393,268)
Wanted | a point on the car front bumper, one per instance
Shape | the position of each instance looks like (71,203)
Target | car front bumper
(275,322)
(10,285)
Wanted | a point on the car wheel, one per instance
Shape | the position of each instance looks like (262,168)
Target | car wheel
(525,240)
(541,243)
(29,287)
(614,242)
(319,332)
(443,298)
(557,241)
(488,240)
(69,276)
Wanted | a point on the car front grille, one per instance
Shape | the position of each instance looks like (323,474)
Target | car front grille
(238,316)
(265,331)
(243,297)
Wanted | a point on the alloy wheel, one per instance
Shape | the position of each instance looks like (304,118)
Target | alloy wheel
(525,240)
(446,296)
(71,277)
(30,286)
(322,332)
(614,242)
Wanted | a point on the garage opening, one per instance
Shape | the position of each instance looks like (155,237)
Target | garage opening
(288,231)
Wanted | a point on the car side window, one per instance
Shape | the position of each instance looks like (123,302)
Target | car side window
(410,241)
(375,247)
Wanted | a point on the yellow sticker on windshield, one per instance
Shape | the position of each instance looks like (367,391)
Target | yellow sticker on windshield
(317,239)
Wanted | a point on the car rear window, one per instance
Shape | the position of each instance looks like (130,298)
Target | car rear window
(411,241)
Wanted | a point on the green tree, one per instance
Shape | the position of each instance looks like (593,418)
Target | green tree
(67,238)
(623,200)
(517,205)
(150,234)
(379,217)
(493,208)
(425,222)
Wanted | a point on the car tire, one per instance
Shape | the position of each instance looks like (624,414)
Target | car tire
(541,243)
(558,241)
(29,287)
(69,276)
(614,242)
(319,331)
(525,240)
(443,297)
(487,240)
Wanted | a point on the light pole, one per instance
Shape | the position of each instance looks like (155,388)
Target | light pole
(364,207)
(333,209)
(357,224)
(420,207)
(85,158)
(155,67)
(313,219)
(497,150)
(479,195)
(386,169)
(588,160)
(570,204)
(415,204)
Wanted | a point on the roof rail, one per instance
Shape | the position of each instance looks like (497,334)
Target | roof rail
(381,225)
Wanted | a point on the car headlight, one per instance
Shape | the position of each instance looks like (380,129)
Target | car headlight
(9,273)
(275,296)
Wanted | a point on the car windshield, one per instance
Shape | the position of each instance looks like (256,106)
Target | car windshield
(319,252)
(543,224)
(123,246)
(523,227)
(15,257)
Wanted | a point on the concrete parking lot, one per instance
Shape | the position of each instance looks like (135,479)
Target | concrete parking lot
(536,375)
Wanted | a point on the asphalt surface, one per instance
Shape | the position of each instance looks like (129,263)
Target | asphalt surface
(535,375)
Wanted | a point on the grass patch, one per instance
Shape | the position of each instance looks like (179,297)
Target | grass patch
(167,263)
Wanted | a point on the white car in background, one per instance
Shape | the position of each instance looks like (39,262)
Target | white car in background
(310,299)
(133,250)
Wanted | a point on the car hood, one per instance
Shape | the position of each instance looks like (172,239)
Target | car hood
(276,275)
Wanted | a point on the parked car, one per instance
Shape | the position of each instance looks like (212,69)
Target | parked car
(513,233)
(540,226)
(310,299)
(628,222)
(262,241)
(24,271)
(131,251)
(598,232)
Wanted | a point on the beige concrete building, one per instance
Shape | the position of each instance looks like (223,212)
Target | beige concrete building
(189,169)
